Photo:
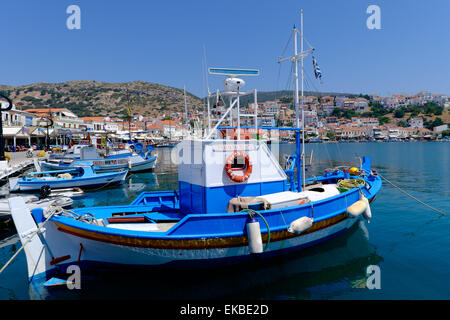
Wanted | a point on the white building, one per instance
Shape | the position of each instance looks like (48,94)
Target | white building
(444,127)
(62,117)
(415,123)
(16,117)
(327,109)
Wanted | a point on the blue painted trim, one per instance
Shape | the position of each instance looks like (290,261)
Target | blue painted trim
(194,226)
(299,161)
(265,128)
(198,263)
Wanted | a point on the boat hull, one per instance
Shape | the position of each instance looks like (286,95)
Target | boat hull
(103,166)
(61,201)
(146,165)
(200,240)
(91,182)
(96,255)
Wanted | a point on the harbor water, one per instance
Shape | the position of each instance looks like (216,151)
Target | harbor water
(407,241)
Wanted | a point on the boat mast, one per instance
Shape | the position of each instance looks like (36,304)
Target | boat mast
(303,113)
(209,110)
(295,62)
(296,102)
(298,56)
(186,110)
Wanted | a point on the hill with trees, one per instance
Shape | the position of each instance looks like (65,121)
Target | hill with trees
(93,98)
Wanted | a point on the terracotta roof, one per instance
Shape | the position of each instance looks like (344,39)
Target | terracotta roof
(46,110)
(100,119)
(168,122)
(155,126)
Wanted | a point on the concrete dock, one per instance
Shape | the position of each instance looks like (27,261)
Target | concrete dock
(18,164)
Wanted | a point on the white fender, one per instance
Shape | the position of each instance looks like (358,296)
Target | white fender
(255,243)
(357,208)
(300,225)
(367,214)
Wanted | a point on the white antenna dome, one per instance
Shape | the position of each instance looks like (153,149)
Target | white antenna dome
(233,84)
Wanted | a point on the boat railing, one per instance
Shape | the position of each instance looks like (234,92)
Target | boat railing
(53,172)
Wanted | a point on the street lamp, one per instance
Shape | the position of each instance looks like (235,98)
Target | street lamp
(48,124)
(2,141)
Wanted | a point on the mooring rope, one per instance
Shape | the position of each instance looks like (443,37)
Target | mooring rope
(411,196)
(29,239)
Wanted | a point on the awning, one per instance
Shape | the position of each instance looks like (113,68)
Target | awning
(11,131)
(41,132)
(18,132)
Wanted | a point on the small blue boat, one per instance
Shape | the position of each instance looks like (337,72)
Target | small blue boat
(134,162)
(82,175)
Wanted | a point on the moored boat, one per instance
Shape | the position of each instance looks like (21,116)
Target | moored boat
(83,175)
(33,202)
(234,204)
(134,162)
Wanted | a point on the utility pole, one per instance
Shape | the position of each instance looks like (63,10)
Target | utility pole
(129,114)
(48,125)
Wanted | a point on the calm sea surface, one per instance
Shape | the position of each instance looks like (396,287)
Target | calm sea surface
(409,242)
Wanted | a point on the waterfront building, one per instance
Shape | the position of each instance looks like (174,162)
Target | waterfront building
(346,132)
(62,117)
(441,128)
(380,133)
(16,117)
(94,124)
(415,122)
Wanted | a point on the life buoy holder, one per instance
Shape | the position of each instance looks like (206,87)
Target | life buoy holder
(121,146)
(247,170)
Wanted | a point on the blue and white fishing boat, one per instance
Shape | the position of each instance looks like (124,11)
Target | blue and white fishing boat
(138,161)
(82,175)
(234,203)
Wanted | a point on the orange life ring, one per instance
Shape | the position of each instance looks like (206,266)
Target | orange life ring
(121,146)
(231,172)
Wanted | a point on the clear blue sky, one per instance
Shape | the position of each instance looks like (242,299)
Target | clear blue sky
(162,42)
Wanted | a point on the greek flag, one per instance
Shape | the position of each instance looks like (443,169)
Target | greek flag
(317,71)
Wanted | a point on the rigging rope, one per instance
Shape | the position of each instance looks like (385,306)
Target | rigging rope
(55,211)
(411,196)
(251,212)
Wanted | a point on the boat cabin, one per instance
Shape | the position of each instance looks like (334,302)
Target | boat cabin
(212,172)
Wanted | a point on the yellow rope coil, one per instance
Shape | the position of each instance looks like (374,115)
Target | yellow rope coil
(350,183)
